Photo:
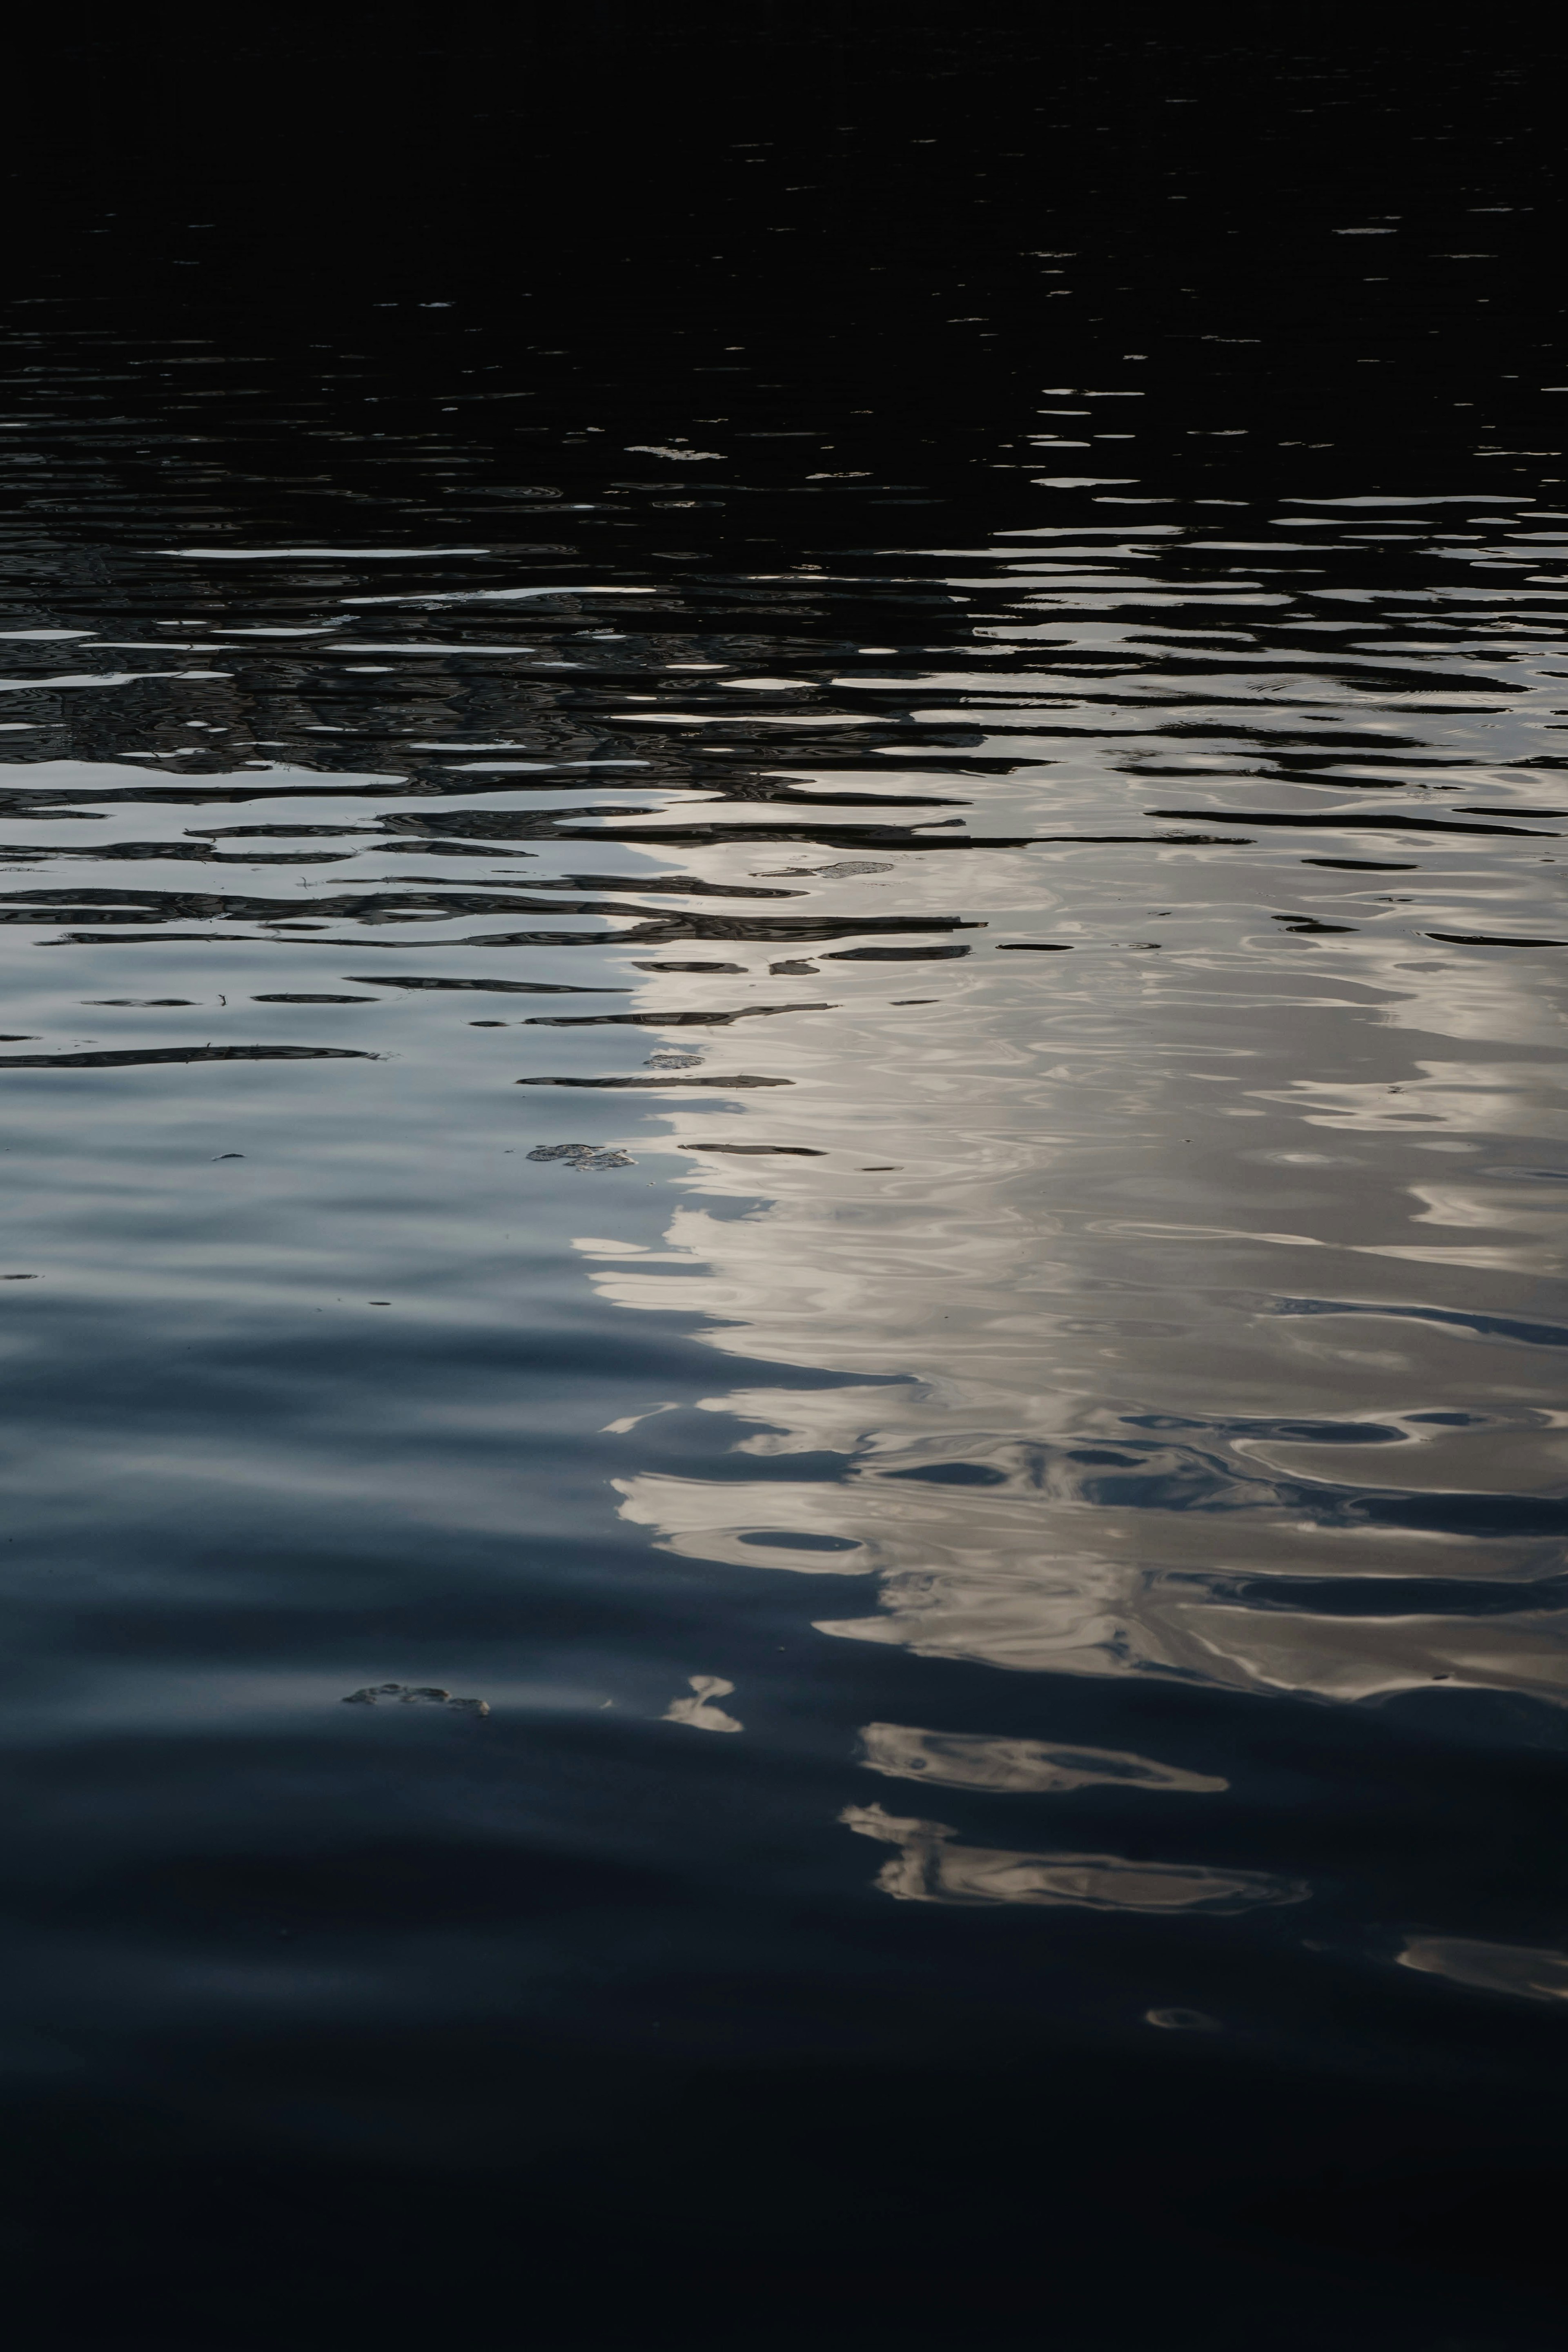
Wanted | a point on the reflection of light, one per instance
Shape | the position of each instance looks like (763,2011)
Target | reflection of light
(1021,1576)
(698,1711)
(1023,1229)
(962,1761)
(731,1523)
(928,1868)
(1533,1975)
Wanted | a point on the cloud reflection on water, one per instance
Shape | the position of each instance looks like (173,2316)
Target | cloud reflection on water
(930,1868)
(1532,1975)
(1085,1424)
(1016,1766)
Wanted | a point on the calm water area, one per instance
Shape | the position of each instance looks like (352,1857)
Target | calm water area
(782,1163)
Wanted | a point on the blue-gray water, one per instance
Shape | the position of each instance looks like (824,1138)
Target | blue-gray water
(783,978)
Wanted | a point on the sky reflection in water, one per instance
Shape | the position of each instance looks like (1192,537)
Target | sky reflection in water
(702,1046)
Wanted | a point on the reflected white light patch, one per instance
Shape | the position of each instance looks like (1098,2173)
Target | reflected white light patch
(92,775)
(105,677)
(494,596)
(1528,1972)
(698,1711)
(963,1760)
(930,1868)
(739,1524)
(316,554)
(750,719)
(632,1420)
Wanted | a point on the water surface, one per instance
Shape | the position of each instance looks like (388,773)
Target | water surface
(952,1587)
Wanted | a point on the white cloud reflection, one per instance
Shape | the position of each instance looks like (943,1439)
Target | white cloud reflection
(1139,1288)
(965,1760)
(928,1867)
(699,1712)
(1531,1975)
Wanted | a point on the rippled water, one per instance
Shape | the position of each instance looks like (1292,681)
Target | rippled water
(994,871)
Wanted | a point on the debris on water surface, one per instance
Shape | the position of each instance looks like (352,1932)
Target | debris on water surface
(792,968)
(413,1694)
(669,1058)
(583,1155)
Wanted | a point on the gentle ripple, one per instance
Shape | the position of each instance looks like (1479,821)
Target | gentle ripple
(1019,965)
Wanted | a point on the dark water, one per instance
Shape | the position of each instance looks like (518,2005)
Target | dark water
(919,667)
